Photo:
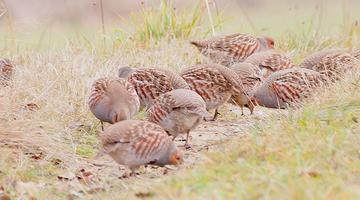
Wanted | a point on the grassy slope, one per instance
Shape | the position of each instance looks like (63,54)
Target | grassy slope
(311,153)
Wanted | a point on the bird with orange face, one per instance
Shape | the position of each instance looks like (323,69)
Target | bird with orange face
(134,143)
(233,48)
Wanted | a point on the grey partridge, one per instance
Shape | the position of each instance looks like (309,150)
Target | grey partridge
(284,87)
(134,143)
(335,65)
(314,58)
(113,99)
(250,76)
(6,71)
(269,62)
(233,48)
(178,112)
(214,83)
(150,83)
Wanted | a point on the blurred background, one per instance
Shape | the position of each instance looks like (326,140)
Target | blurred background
(86,12)
(54,18)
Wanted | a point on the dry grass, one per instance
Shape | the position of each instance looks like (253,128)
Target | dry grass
(309,153)
(48,136)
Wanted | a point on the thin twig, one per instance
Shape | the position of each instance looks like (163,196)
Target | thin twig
(103,22)
(210,17)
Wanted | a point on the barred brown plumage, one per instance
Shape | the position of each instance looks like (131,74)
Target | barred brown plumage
(250,76)
(214,83)
(113,99)
(150,83)
(314,58)
(233,48)
(284,87)
(335,65)
(6,71)
(134,143)
(178,112)
(269,62)
(356,53)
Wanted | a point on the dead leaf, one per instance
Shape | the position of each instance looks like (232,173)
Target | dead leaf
(31,107)
(143,195)
(56,161)
(310,173)
(85,177)
(68,176)
(35,156)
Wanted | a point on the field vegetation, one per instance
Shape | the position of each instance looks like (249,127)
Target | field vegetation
(48,137)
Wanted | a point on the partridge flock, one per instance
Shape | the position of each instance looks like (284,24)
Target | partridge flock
(246,71)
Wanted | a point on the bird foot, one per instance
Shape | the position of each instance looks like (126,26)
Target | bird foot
(129,175)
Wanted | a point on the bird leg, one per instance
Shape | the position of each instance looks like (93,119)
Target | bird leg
(132,173)
(102,125)
(187,146)
(251,107)
(214,118)
(216,114)
(242,110)
(167,132)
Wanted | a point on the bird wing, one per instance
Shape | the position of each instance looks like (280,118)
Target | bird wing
(150,145)
(238,45)
(276,62)
(230,76)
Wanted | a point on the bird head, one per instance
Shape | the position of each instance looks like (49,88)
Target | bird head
(119,115)
(176,158)
(124,72)
(270,42)
(267,43)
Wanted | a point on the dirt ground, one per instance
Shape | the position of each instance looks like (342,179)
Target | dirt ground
(204,138)
(80,176)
